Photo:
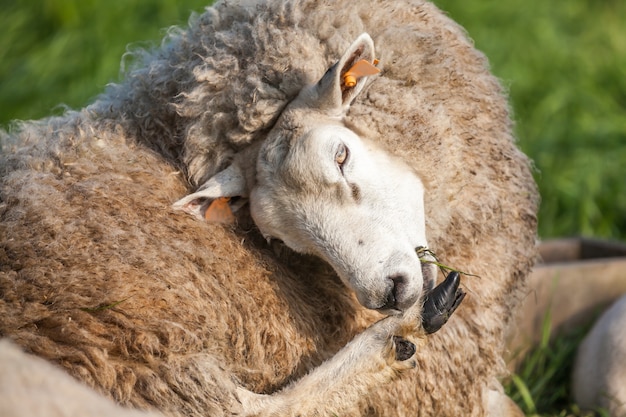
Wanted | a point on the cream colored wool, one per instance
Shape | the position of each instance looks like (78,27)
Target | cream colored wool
(159,311)
(33,387)
(599,377)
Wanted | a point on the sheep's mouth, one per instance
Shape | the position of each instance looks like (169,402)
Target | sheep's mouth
(428,278)
(429,269)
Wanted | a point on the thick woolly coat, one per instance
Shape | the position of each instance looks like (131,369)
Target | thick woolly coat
(158,310)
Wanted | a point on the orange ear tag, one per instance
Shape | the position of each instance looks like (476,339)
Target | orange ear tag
(219,211)
(361,69)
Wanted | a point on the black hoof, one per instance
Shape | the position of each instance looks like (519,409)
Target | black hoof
(404,348)
(441,302)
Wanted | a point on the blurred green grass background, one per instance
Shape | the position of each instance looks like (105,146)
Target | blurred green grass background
(563,63)
(65,51)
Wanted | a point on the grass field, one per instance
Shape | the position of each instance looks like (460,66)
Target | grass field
(564,64)
(65,51)
(565,67)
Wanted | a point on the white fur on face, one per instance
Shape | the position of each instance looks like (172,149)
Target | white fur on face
(365,217)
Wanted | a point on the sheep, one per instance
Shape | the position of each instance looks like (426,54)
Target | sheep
(155,309)
(599,377)
(31,386)
(317,186)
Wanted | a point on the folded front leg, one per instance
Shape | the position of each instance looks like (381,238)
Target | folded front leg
(371,359)
(335,387)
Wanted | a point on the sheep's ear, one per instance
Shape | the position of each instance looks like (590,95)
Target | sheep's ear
(345,79)
(218,198)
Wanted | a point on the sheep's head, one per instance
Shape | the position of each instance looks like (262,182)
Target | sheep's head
(323,190)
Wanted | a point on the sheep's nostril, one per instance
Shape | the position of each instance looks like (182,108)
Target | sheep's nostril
(390,304)
(398,282)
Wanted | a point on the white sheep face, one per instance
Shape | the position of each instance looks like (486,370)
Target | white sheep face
(325,191)
(343,199)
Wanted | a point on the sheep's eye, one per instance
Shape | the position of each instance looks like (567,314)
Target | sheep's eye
(341,156)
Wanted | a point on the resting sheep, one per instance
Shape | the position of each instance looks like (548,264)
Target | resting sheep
(599,378)
(159,310)
(32,387)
